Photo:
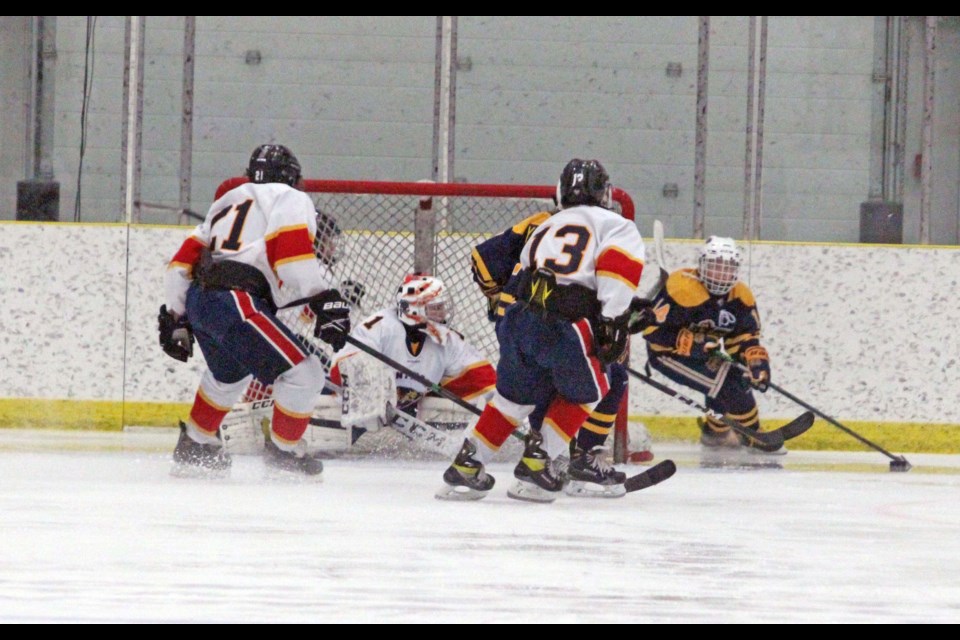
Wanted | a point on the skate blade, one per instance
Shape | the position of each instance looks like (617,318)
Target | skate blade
(459,494)
(581,489)
(782,451)
(289,476)
(530,493)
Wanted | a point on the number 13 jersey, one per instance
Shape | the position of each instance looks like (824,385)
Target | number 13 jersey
(593,247)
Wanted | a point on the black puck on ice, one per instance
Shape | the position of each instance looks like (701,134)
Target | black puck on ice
(900,464)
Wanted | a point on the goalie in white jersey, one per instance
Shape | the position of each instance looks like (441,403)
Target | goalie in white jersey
(579,272)
(254,250)
(414,334)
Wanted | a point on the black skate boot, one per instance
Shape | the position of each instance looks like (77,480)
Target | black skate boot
(535,473)
(192,459)
(292,463)
(465,479)
(592,475)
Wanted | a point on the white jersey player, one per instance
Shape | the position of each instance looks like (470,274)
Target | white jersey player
(580,272)
(254,250)
(415,334)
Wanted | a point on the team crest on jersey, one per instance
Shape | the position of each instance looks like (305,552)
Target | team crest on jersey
(726,320)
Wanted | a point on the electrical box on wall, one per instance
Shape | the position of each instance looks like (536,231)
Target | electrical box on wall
(881,222)
(38,200)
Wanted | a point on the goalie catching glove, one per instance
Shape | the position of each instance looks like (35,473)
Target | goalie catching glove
(333,318)
(176,336)
(757,361)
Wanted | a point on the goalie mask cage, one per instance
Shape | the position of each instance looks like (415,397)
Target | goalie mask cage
(391,229)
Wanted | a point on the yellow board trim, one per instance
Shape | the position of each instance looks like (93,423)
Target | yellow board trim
(88,415)
(101,415)
(895,437)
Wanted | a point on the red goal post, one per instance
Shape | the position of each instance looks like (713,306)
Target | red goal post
(390,229)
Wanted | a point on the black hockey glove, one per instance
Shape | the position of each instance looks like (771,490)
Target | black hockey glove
(176,336)
(612,337)
(757,361)
(641,315)
(333,318)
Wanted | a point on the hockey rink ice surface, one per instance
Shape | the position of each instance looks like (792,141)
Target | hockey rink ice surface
(95,530)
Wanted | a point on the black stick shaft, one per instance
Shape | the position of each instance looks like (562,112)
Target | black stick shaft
(808,407)
(851,432)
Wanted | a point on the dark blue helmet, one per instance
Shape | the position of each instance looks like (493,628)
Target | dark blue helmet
(584,182)
(273,163)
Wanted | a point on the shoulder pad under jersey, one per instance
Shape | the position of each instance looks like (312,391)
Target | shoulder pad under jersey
(527,225)
(685,288)
(743,293)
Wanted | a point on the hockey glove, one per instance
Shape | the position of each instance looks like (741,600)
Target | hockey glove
(758,367)
(699,346)
(176,336)
(641,315)
(333,318)
(611,336)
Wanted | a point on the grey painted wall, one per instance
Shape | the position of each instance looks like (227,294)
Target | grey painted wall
(15,164)
(354,98)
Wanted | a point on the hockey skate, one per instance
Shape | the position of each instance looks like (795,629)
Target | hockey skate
(466,478)
(711,438)
(536,481)
(192,459)
(592,475)
(292,464)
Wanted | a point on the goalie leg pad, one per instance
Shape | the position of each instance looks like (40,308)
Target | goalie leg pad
(325,431)
(242,428)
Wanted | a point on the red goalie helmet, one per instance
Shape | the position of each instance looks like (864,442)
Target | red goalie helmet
(421,299)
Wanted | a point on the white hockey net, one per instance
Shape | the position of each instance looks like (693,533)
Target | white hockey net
(391,229)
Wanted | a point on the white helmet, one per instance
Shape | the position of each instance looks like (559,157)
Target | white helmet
(421,299)
(719,264)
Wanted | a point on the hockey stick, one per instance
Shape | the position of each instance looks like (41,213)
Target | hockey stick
(422,432)
(897,463)
(413,375)
(664,272)
(449,395)
(764,440)
(654,475)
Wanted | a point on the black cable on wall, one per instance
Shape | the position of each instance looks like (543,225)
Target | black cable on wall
(87,86)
